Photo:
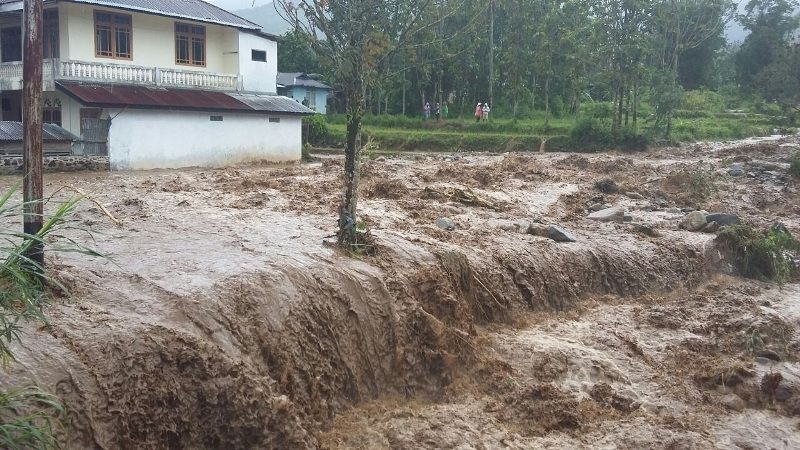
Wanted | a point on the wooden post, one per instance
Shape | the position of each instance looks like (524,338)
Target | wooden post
(32,123)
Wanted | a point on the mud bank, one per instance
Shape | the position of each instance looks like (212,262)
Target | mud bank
(225,322)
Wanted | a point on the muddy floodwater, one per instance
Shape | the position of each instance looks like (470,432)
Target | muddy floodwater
(221,319)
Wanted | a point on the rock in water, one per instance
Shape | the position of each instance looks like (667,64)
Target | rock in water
(540,230)
(724,220)
(559,234)
(736,170)
(446,224)
(608,215)
(733,402)
(694,221)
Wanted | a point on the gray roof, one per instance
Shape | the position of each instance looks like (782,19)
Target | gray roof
(299,79)
(185,9)
(13,131)
(272,103)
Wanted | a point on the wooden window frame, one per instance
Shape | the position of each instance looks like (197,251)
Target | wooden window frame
(190,36)
(113,26)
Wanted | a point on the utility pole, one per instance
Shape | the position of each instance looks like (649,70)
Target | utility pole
(491,53)
(32,124)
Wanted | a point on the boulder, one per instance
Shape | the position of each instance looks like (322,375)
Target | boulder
(711,227)
(674,210)
(634,195)
(627,218)
(736,170)
(647,231)
(537,229)
(608,215)
(733,402)
(598,207)
(446,224)
(724,220)
(694,221)
(559,234)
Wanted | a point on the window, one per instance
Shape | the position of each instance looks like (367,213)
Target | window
(190,44)
(259,55)
(50,42)
(217,118)
(51,111)
(112,35)
(274,120)
(11,44)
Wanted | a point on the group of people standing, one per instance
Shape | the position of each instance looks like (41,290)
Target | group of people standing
(440,112)
(482,112)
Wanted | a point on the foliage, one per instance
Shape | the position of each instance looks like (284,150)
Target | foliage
(29,419)
(701,184)
(591,135)
(794,166)
(765,255)
(319,133)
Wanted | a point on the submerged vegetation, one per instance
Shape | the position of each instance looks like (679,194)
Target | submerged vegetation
(768,255)
(29,417)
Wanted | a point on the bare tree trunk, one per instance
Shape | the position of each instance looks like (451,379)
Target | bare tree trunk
(404,92)
(32,120)
(547,100)
(348,218)
(491,53)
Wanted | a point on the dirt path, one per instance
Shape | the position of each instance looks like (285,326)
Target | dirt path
(223,321)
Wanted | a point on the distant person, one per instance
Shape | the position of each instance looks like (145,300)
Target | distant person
(445,110)
(306,102)
(478,112)
(426,111)
(485,112)
(438,111)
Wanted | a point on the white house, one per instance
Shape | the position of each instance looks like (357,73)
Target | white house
(155,84)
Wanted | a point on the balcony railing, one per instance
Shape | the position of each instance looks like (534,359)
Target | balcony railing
(56,69)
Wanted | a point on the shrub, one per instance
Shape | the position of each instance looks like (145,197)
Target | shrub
(598,110)
(794,166)
(592,135)
(764,255)
(703,100)
(317,128)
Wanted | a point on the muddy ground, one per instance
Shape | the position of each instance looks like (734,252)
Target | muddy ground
(222,320)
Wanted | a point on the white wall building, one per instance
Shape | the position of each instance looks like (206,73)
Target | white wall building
(165,84)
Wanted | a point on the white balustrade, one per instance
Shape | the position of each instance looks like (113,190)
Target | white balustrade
(125,74)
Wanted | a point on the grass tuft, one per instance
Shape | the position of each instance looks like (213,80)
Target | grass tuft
(765,255)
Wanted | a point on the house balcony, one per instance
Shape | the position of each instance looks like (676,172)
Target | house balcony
(56,69)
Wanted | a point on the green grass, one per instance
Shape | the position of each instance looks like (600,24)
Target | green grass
(29,419)
(703,117)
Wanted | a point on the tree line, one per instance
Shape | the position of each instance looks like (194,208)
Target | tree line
(522,56)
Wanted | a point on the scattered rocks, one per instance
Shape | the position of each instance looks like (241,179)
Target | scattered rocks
(736,170)
(446,224)
(694,221)
(723,220)
(608,215)
(559,234)
(634,195)
(733,402)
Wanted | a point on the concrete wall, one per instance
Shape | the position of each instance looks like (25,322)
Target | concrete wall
(258,76)
(152,139)
(153,39)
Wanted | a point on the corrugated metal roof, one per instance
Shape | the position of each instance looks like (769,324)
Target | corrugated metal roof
(272,103)
(143,97)
(186,9)
(13,131)
(299,79)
